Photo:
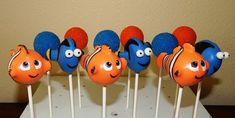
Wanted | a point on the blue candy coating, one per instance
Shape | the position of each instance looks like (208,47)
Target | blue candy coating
(164,42)
(44,41)
(107,37)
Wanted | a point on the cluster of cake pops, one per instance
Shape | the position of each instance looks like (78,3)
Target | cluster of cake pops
(187,63)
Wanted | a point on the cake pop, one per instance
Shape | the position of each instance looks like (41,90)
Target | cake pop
(185,34)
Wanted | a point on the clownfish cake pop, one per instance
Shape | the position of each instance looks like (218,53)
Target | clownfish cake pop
(185,66)
(27,66)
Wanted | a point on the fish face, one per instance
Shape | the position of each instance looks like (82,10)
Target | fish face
(27,66)
(105,67)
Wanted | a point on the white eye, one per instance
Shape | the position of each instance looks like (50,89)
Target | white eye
(68,53)
(25,66)
(37,64)
(193,66)
(148,51)
(139,53)
(77,52)
(108,66)
(219,55)
(203,64)
(118,64)
(226,55)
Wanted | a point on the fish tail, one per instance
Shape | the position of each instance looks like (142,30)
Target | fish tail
(162,60)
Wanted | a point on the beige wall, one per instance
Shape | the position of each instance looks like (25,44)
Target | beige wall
(20,21)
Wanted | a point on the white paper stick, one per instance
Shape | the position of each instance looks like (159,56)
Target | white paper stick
(135,95)
(49,93)
(197,99)
(104,102)
(176,94)
(179,97)
(79,88)
(29,88)
(71,95)
(158,91)
(128,88)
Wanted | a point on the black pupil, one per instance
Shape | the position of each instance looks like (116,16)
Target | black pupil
(117,63)
(203,63)
(194,64)
(25,64)
(109,64)
(36,62)
(69,53)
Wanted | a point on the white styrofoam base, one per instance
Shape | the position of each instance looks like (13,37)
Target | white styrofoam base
(116,99)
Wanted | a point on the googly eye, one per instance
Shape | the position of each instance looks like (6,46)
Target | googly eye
(139,53)
(193,66)
(118,64)
(219,55)
(25,66)
(68,53)
(226,55)
(37,64)
(203,64)
(148,51)
(77,52)
(108,66)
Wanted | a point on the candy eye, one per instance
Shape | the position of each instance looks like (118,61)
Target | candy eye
(226,55)
(37,64)
(68,53)
(203,65)
(219,55)
(25,66)
(139,53)
(108,66)
(193,66)
(118,64)
(148,51)
(77,52)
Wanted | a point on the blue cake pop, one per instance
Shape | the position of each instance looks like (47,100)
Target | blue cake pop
(212,54)
(109,38)
(44,41)
(164,42)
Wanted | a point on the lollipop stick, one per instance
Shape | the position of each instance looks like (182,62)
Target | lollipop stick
(29,88)
(197,99)
(71,94)
(158,91)
(135,94)
(176,113)
(128,88)
(104,102)
(79,88)
(176,94)
(49,93)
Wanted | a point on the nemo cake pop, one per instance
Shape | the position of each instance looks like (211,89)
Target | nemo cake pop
(212,54)
(81,39)
(103,66)
(163,42)
(137,53)
(27,67)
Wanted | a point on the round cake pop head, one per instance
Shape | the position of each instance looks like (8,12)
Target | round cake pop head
(185,66)
(129,32)
(109,38)
(67,55)
(44,41)
(164,42)
(212,54)
(27,66)
(185,34)
(103,66)
(137,53)
(78,35)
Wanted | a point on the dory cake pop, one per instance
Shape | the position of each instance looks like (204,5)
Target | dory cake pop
(103,66)
(185,34)
(27,66)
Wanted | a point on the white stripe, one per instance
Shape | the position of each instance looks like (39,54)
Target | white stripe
(173,62)
(87,61)
(9,65)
